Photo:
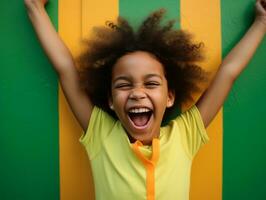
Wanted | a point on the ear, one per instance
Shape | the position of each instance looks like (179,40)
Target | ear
(170,98)
(110,102)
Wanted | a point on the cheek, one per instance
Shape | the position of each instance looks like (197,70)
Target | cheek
(119,97)
(160,95)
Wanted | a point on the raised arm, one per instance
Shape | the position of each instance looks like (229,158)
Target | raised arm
(61,59)
(231,67)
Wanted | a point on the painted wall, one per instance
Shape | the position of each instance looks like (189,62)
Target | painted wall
(244,160)
(29,167)
(40,156)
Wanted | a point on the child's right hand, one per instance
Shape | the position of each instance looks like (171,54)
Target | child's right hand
(39,3)
(261,11)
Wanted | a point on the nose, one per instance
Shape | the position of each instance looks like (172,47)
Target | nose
(137,94)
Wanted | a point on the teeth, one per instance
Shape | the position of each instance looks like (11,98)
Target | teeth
(139,110)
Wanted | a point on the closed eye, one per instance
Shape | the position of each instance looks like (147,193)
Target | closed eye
(152,84)
(123,86)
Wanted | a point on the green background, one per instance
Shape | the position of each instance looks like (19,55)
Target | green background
(29,156)
(244,160)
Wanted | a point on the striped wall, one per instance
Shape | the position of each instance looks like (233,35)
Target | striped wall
(40,156)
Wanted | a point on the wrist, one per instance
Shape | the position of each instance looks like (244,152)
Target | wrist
(260,21)
(32,6)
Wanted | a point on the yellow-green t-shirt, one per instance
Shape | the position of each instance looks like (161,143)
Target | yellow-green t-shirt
(118,171)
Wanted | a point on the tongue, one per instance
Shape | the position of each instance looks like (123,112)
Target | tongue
(140,119)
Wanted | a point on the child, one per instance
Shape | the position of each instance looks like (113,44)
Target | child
(137,79)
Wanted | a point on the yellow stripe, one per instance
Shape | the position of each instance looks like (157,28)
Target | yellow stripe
(75,19)
(203,18)
(96,13)
(74,181)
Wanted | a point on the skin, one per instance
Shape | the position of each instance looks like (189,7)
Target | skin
(138,81)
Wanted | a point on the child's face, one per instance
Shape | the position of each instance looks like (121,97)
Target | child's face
(140,94)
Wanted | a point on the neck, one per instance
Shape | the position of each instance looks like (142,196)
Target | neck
(144,141)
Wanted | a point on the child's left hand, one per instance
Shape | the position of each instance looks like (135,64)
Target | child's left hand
(261,11)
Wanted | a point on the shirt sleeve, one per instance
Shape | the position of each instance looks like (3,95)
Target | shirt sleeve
(100,125)
(193,132)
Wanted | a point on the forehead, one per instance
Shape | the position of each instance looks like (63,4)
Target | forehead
(139,63)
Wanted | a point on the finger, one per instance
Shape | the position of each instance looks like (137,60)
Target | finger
(262,3)
(44,1)
(261,6)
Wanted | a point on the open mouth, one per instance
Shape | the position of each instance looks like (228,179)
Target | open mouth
(140,116)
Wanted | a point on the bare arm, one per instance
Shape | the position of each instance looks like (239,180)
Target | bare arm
(61,59)
(231,67)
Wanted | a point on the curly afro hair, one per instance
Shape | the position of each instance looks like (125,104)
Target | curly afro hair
(173,48)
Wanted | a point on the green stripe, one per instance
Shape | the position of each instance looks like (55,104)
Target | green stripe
(29,168)
(137,10)
(244,160)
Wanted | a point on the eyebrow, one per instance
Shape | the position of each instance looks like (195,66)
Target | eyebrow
(153,75)
(127,78)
